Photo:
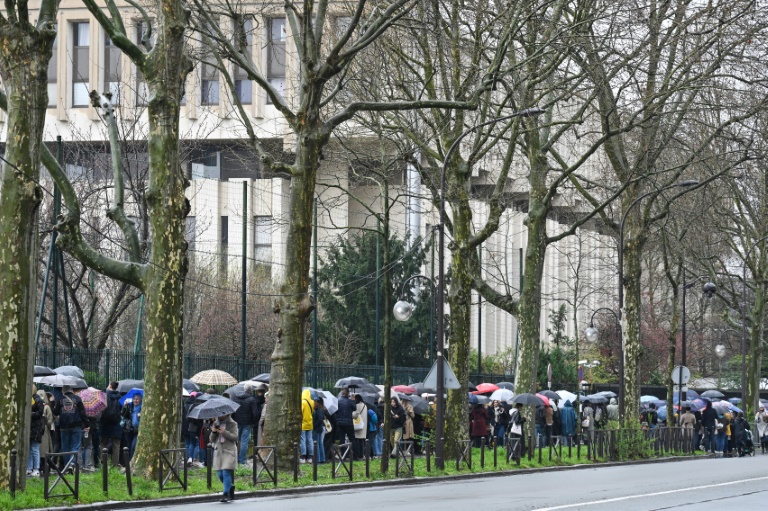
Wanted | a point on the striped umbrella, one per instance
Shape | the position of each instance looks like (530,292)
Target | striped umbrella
(213,377)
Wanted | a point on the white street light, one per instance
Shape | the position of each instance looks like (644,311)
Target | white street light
(720,351)
(402,310)
(591,334)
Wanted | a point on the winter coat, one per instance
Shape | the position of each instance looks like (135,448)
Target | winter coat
(568,419)
(127,421)
(318,421)
(46,444)
(225,452)
(248,413)
(37,426)
(307,407)
(762,426)
(111,429)
(409,415)
(500,415)
(688,420)
(344,413)
(362,411)
(479,418)
(589,412)
(708,416)
(398,416)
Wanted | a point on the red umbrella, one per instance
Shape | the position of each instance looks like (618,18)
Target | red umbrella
(404,389)
(94,401)
(485,387)
(543,398)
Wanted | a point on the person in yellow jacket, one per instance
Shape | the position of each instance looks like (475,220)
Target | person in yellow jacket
(305,443)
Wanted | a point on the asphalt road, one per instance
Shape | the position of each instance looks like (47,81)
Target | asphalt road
(701,485)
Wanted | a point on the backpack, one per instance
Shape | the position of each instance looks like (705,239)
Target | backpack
(70,416)
(112,413)
(373,420)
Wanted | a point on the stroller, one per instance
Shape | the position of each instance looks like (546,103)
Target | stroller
(748,446)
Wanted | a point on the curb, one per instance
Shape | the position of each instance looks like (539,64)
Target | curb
(304,490)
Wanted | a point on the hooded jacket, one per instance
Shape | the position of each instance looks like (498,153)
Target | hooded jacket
(568,419)
(248,413)
(306,411)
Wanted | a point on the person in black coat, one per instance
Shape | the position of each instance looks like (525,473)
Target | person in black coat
(397,413)
(36,431)
(246,417)
(739,432)
(111,432)
(344,426)
(708,419)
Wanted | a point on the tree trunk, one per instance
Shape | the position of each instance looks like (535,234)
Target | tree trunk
(755,353)
(163,286)
(387,331)
(630,319)
(283,421)
(672,350)
(23,67)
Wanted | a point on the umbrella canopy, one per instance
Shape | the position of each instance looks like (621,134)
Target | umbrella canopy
(368,388)
(420,405)
(331,402)
(662,413)
(544,398)
(477,399)
(734,400)
(726,405)
(263,378)
(201,398)
(506,385)
(486,388)
(213,408)
(648,399)
(713,393)
(213,377)
(351,381)
(608,393)
(184,392)
(237,389)
(94,401)
(130,394)
(44,371)
(550,394)
(502,395)
(59,380)
(566,396)
(471,386)
(419,388)
(596,398)
(527,399)
(405,389)
(189,385)
(70,371)
(314,393)
(128,384)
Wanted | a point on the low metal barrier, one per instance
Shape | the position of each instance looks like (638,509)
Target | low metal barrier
(261,464)
(175,461)
(72,464)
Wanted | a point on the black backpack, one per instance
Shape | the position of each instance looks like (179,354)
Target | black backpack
(70,415)
(112,414)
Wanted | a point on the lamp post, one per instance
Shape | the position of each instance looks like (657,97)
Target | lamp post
(709,289)
(690,182)
(744,324)
(440,301)
(403,309)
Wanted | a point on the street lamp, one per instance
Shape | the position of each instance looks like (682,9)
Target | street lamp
(591,333)
(439,398)
(709,289)
(744,327)
(403,309)
(690,182)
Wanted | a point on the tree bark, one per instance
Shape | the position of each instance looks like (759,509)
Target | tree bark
(755,353)
(24,54)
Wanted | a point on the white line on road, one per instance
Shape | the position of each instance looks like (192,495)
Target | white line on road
(641,495)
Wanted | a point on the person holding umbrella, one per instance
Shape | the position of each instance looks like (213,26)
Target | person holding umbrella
(131,418)
(72,421)
(224,437)
(516,421)
(567,422)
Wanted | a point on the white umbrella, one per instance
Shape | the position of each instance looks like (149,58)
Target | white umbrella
(330,402)
(502,395)
(566,396)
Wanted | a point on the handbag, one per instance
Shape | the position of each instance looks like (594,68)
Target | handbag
(517,429)
(585,423)
(357,423)
(327,425)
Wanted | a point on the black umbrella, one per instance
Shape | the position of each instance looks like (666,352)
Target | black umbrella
(506,385)
(190,385)
(607,393)
(236,390)
(213,408)
(73,371)
(420,389)
(44,371)
(368,387)
(528,399)
(351,381)
(201,398)
(550,394)
(128,384)
(713,394)
(263,378)
(60,380)
(420,405)
(471,386)
(596,398)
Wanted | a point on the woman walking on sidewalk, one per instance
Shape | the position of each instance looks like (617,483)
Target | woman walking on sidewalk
(224,437)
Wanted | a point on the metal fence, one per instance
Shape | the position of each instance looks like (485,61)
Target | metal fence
(103,366)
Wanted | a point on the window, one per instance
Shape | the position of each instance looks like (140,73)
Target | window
(276,55)
(142,92)
(112,69)
(209,78)
(243,85)
(81,63)
(262,239)
(53,89)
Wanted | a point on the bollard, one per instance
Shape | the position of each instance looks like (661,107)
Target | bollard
(578,447)
(428,452)
(314,462)
(127,465)
(367,458)
(530,447)
(14,471)
(495,457)
(540,449)
(105,470)
(385,457)
(209,465)
(458,458)
(550,448)
(482,452)
(295,462)
(570,443)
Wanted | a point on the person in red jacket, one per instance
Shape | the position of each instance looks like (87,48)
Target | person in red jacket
(479,424)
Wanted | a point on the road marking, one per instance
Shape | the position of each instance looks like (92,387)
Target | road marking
(667,492)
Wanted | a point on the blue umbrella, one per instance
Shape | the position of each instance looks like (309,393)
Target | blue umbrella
(734,400)
(662,413)
(474,399)
(130,395)
(648,399)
